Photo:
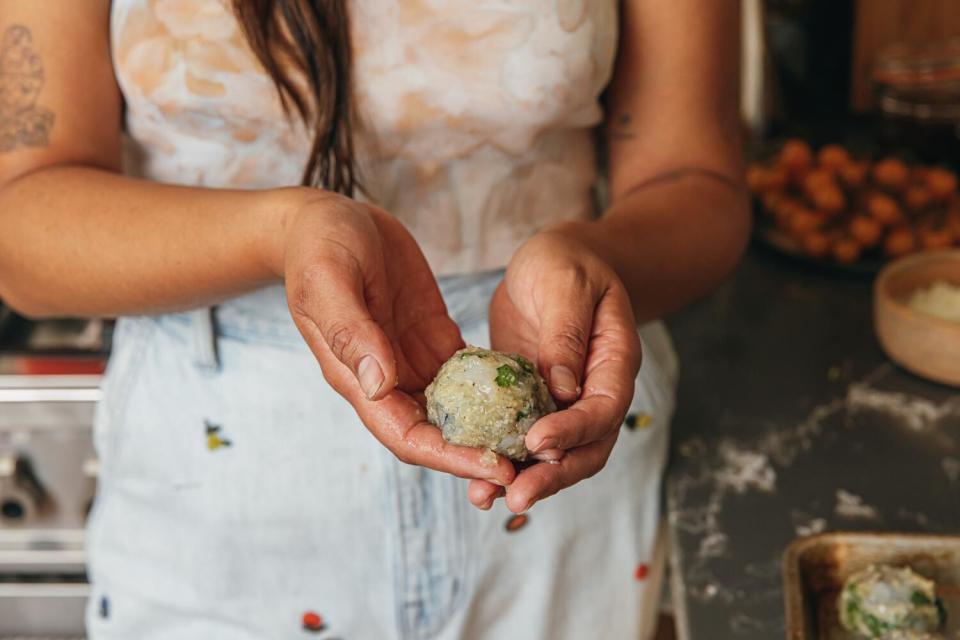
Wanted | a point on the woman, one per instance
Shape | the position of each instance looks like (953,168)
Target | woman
(239,496)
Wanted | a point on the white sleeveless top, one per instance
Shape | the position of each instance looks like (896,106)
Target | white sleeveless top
(476,115)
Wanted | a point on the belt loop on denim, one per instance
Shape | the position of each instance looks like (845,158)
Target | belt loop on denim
(205,355)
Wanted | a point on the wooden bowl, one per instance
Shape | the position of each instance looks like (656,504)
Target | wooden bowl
(921,343)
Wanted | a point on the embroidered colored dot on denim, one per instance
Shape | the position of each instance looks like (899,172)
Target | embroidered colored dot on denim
(517,522)
(214,439)
(313,622)
(638,421)
(641,572)
(307,513)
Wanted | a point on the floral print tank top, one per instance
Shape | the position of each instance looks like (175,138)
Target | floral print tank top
(476,115)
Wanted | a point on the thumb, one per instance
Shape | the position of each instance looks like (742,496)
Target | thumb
(334,301)
(564,335)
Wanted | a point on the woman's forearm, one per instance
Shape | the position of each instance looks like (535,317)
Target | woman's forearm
(83,241)
(672,241)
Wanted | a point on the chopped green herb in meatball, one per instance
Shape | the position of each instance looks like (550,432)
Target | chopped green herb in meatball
(890,602)
(483,398)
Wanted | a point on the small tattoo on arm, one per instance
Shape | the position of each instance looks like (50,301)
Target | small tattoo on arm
(619,128)
(22,121)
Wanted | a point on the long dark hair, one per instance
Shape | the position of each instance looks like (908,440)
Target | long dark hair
(309,38)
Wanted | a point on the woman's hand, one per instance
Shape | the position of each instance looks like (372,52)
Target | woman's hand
(561,305)
(363,296)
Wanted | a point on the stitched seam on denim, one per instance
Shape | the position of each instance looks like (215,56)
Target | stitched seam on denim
(277,338)
(455,505)
(413,584)
(117,412)
(400,552)
(444,567)
(255,332)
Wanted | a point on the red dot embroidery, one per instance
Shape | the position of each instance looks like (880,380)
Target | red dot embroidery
(312,621)
(641,572)
(516,522)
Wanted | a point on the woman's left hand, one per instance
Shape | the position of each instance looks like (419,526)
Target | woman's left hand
(561,305)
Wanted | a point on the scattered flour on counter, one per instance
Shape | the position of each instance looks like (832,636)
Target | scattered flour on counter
(916,412)
(784,445)
(951,467)
(813,527)
(744,469)
(726,469)
(807,524)
(718,471)
(850,505)
(713,546)
(922,519)
(742,624)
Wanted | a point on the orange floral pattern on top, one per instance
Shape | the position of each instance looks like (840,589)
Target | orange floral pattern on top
(476,114)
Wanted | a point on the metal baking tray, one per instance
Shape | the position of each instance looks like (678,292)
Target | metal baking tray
(815,568)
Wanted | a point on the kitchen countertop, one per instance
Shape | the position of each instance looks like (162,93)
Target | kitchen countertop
(791,421)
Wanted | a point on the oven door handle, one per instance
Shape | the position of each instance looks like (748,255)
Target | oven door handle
(28,393)
(44,590)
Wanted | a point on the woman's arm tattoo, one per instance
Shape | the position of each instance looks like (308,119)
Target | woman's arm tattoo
(22,121)
(620,129)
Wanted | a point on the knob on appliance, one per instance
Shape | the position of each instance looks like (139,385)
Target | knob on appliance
(91,469)
(21,494)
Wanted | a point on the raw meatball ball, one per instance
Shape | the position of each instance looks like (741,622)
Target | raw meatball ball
(912,635)
(881,600)
(483,398)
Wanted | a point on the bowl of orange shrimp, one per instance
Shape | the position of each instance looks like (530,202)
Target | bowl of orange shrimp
(832,207)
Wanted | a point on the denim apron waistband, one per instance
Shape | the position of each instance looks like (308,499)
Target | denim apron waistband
(263,315)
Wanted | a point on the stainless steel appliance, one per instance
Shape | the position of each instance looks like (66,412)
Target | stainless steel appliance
(47,483)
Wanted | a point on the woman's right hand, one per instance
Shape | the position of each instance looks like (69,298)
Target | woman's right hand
(367,304)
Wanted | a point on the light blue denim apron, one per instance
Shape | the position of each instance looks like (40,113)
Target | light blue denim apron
(241,498)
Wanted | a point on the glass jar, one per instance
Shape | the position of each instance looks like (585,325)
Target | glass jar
(917,91)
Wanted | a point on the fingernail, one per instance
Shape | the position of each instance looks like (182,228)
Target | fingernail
(543,445)
(496,482)
(563,380)
(486,506)
(370,376)
(552,456)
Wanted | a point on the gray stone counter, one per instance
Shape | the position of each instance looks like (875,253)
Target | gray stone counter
(790,422)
